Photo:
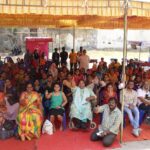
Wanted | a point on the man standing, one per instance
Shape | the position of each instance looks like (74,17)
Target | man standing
(64,57)
(111,121)
(80,52)
(73,60)
(55,57)
(84,61)
(130,102)
(1,62)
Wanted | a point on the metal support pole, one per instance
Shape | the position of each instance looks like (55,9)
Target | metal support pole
(59,41)
(149,55)
(140,54)
(124,61)
(6,2)
(74,37)
(52,42)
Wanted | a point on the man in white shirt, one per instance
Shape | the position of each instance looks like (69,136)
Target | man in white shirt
(84,61)
(144,99)
(130,102)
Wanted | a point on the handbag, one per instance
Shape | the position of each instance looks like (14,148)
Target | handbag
(9,125)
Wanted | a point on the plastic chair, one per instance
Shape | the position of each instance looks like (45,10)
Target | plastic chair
(124,119)
(142,115)
(1,84)
(101,116)
(64,122)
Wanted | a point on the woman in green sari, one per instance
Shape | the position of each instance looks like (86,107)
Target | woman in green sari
(30,114)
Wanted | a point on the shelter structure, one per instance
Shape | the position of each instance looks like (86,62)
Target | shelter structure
(103,14)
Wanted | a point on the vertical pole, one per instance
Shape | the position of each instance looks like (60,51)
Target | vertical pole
(149,55)
(59,40)
(52,41)
(124,62)
(74,36)
(6,2)
(140,53)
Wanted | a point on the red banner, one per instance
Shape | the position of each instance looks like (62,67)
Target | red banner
(41,44)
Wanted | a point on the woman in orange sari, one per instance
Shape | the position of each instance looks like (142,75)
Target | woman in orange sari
(113,76)
(109,92)
(30,114)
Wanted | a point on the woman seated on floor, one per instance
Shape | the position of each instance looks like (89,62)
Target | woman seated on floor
(30,114)
(81,110)
(57,102)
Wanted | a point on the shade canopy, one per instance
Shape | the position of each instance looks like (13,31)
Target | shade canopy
(103,14)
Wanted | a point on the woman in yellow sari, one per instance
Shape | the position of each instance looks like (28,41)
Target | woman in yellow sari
(30,114)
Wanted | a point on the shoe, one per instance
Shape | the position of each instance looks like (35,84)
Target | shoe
(148,117)
(77,123)
(139,130)
(83,126)
(135,132)
(78,126)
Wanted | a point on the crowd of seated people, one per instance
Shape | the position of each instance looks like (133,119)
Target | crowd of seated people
(34,89)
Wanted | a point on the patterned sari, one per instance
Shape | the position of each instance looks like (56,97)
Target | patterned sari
(30,116)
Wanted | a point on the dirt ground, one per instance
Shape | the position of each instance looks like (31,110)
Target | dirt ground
(106,54)
(118,55)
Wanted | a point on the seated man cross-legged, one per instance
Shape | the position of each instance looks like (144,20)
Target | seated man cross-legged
(130,107)
(108,130)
